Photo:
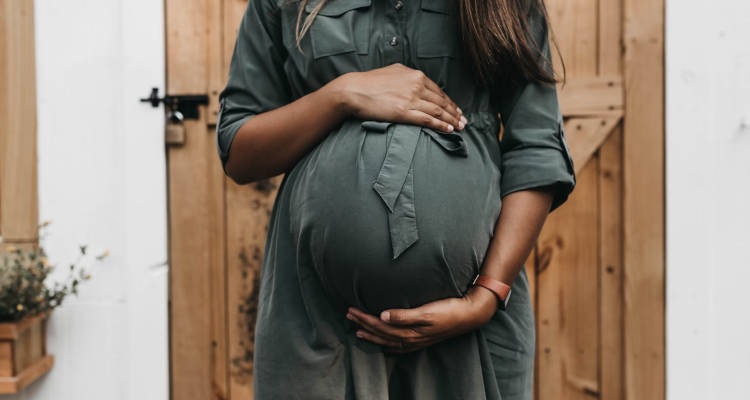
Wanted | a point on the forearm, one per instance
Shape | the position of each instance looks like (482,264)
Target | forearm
(270,143)
(521,219)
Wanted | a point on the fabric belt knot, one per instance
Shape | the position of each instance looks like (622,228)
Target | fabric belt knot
(395,181)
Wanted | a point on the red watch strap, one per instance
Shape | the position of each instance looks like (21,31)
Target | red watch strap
(495,286)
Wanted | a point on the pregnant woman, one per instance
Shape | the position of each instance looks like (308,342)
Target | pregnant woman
(388,263)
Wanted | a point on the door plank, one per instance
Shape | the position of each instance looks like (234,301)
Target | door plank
(610,38)
(250,207)
(18,157)
(592,96)
(610,214)
(574,24)
(567,277)
(219,319)
(586,135)
(196,201)
(216,58)
(567,293)
(643,151)
(610,265)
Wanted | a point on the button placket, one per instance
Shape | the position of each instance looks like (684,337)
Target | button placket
(393,41)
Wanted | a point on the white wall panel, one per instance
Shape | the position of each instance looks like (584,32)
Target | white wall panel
(708,199)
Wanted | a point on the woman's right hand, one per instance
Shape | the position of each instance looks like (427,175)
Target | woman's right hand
(397,93)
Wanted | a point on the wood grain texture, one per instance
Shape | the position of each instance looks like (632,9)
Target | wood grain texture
(610,268)
(18,125)
(610,38)
(196,204)
(216,59)
(568,248)
(567,293)
(219,307)
(23,353)
(250,208)
(16,383)
(611,356)
(6,358)
(574,25)
(586,135)
(592,96)
(643,207)
(14,330)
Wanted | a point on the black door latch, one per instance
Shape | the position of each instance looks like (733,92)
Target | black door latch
(185,104)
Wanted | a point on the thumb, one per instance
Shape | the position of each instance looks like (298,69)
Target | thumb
(404,316)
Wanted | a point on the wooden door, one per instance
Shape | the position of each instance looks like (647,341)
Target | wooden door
(217,228)
(597,269)
(598,266)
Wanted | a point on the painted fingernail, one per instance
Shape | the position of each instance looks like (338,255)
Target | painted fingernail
(450,128)
(360,335)
(465,121)
(385,316)
(459,110)
(349,316)
(461,125)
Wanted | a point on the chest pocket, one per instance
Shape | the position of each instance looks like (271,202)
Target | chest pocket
(438,34)
(341,26)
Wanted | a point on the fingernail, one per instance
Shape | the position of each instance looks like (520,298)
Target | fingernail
(461,125)
(385,316)
(450,128)
(465,121)
(359,334)
(459,110)
(349,316)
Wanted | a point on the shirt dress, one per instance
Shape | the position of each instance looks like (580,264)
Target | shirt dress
(388,215)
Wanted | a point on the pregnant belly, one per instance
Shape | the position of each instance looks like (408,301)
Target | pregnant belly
(395,216)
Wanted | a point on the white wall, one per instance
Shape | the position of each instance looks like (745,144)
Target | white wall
(102,181)
(708,199)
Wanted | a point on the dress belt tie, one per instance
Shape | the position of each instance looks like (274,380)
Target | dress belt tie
(395,181)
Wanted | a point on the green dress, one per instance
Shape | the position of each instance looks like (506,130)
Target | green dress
(388,215)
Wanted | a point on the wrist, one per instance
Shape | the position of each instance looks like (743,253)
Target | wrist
(484,302)
(339,95)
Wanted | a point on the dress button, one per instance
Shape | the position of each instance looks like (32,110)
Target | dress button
(394,41)
(399,5)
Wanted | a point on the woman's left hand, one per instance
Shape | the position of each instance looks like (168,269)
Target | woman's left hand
(406,330)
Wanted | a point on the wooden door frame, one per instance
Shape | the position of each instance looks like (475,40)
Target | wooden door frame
(644,199)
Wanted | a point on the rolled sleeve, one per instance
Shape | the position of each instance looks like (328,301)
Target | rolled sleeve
(535,152)
(256,82)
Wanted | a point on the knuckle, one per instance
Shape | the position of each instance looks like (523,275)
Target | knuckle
(437,112)
(426,120)
(416,88)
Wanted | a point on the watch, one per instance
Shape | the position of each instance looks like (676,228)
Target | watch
(500,289)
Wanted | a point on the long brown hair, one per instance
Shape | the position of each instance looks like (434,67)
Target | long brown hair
(497,36)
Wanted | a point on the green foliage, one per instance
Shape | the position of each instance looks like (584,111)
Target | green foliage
(23,288)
